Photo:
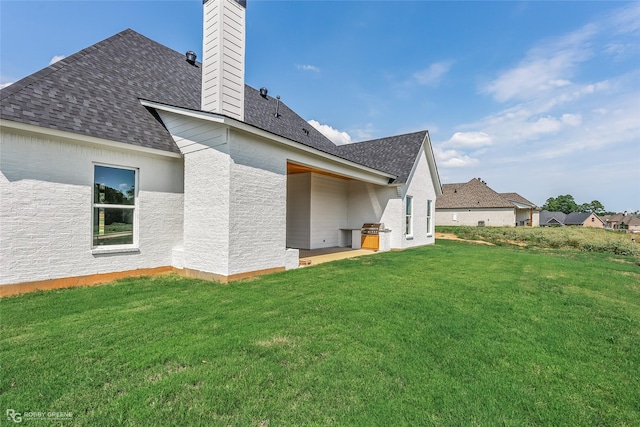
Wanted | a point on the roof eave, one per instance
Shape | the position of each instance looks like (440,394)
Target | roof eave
(24,128)
(234,123)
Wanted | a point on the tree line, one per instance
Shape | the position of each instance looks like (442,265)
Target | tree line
(567,204)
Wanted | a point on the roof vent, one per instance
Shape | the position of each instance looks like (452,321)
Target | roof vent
(191,57)
(263,92)
(277,106)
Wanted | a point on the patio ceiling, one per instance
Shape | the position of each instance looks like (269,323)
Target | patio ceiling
(294,168)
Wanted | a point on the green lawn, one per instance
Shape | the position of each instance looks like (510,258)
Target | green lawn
(451,334)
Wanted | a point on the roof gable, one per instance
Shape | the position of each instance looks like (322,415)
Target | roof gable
(395,155)
(548,217)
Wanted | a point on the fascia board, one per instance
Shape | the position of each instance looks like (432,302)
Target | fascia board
(28,129)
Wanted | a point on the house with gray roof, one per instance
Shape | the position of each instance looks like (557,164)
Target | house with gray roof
(475,203)
(129,158)
(552,219)
(559,219)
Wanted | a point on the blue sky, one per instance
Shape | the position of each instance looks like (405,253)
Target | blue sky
(541,98)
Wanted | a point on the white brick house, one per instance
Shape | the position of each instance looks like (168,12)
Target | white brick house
(125,158)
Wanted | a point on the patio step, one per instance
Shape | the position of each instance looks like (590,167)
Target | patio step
(304,262)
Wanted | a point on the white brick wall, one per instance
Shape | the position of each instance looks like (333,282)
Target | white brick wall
(206,211)
(207,168)
(258,224)
(235,198)
(46,214)
(420,187)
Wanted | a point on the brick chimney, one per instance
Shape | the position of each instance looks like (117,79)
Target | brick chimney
(223,57)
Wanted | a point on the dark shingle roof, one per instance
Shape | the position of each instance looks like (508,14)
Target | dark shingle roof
(576,218)
(261,113)
(96,92)
(552,218)
(395,155)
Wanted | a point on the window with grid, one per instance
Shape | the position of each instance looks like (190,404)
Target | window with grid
(409,216)
(114,205)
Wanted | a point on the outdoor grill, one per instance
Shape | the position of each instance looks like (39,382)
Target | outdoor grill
(370,235)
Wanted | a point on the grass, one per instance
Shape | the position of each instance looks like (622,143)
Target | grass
(583,238)
(450,334)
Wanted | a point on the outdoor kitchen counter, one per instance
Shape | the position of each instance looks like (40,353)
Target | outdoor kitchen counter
(350,237)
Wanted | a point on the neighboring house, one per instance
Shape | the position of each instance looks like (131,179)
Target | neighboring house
(552,219)
(622,221)
(474,203)
(126,158)
(585,219)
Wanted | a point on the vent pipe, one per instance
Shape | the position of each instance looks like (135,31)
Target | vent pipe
(277,106)
(191,57)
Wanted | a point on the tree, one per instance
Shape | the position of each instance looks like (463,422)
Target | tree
(595,206)
(567,205)
(564,204)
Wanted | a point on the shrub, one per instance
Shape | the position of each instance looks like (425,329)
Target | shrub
(580,238)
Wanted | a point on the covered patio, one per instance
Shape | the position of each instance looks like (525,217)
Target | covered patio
(320,256)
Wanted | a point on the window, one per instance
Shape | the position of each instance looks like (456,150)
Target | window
(114,205)
(429,222)
(409,216)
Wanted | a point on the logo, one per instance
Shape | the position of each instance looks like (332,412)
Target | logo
(18,417)
(14,416)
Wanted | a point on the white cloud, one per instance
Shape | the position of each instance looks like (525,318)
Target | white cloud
(432,76)
(548,115)
(572,119)
(3,85)
(364,134)
(56,59)
(336,136)
(469,140)
(452,158)
(626,20)
(545,68)
(307,67)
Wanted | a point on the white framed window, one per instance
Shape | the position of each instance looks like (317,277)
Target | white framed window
(409,216)
(429,218)
(114,207)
